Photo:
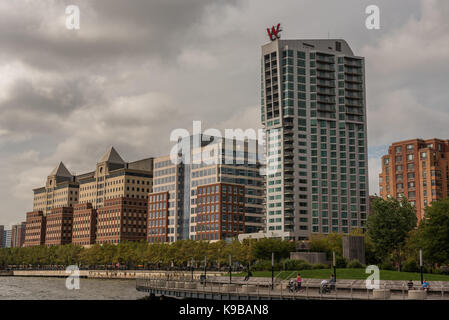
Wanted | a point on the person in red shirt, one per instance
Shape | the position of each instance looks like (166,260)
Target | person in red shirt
(298,282)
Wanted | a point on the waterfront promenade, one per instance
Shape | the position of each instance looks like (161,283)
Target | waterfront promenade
(222,288)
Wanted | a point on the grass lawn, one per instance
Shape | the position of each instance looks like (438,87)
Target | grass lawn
(356,274)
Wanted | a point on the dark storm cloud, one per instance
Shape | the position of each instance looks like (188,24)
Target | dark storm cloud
(111,31)
(138,69)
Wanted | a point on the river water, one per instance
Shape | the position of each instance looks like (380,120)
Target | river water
(36,288)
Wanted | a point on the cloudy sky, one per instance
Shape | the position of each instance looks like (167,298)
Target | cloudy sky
(138,69)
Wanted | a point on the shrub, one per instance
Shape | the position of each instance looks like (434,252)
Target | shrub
(305,266)
(387,265)
(293,264)
(443,270)
(411,266)
(340,262)
(320,266)
(355,264)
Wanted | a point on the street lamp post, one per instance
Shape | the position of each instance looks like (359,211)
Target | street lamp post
(272,270)
(205,269)
(192,267)
(230,268)
(334,262)
(421,265)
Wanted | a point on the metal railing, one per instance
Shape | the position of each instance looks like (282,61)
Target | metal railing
(260,288)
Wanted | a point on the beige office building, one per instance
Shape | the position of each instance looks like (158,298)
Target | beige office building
(60,190)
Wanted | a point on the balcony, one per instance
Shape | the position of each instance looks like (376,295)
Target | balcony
(324,58)
(355,111)
(326,75)
(288,184)
(354,103)
(353,95)
(324,83)
(325,99)
(330,92)
(325,67)
(325,108)
(353,62)
(355,79)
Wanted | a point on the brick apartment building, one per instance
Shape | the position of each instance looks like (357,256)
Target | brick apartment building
(35,229)
(59,226)
(417,170)
(220,211)
(122,219)
(84,224)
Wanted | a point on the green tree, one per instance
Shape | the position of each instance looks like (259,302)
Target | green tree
(434,231)
(263,248)
(389,226)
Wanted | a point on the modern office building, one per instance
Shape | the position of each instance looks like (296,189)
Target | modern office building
(2,230)
(18,235)
(314,115)
(7,239)
(58,230)
(213,166)
(417,170)
(35,229)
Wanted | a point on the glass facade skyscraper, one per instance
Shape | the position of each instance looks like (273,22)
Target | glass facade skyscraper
(314,114)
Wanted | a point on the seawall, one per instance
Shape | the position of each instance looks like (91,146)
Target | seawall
(114,274)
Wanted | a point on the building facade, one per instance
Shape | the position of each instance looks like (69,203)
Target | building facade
(35,229)
(417,170)
(7,239)
(60,190)
(84,230)
(314,115)
(18,235)
(115,186)
(122,219)
(206,162)
(58,229)
(2,230)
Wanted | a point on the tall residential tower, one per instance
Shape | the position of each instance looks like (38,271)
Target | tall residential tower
(314,115)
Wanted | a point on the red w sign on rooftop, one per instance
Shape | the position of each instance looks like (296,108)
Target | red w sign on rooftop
(274,33)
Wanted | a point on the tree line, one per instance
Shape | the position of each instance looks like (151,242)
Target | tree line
(180,254)
(392,241)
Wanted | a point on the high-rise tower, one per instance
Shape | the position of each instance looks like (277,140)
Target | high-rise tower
(314,114)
